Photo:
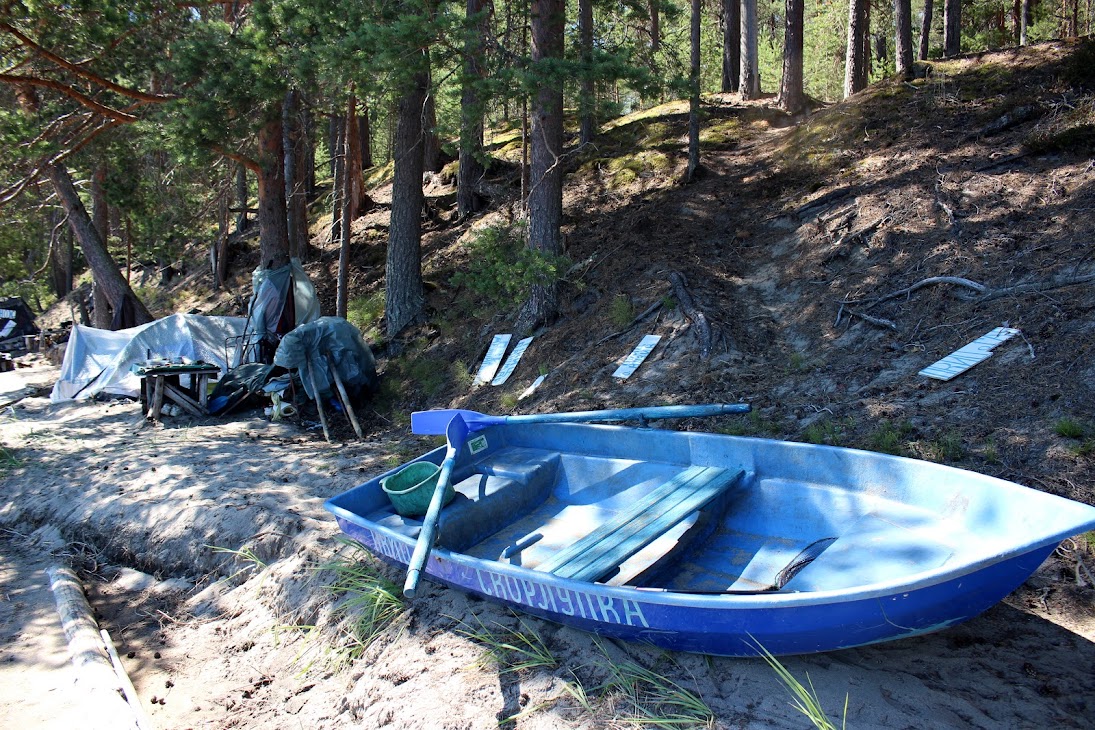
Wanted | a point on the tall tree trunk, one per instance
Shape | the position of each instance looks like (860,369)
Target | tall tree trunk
(903,53)
(792,97)
(655,26)
(241,199)
(364,136)
(545,198)
(431,153)
(855,59)
(60,255)
(220,249)
(731,45)
(470,172)
(404,297)
(273,220)
(865,55)
(524,127)
(295,194)
(349,163)
(952,27)
(1025,11)
(750,69)
(586,99)
(694,97)
(355,182)
(100,216)
(308,149)
(925,31)
(334,127)
(338,190)
(103,269)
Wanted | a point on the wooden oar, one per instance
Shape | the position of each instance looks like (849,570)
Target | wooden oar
(436,422)
(457,433)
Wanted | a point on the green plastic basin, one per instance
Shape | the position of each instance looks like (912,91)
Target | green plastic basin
(411,488)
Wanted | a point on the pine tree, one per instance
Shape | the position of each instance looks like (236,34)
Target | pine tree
(792,97)
(545,199)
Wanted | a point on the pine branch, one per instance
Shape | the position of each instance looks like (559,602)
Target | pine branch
(83,72)
(70,92)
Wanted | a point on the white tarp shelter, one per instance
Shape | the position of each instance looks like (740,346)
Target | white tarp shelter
(99,361)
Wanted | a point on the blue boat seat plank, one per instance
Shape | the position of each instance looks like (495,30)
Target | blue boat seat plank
(629,532)
(489,495)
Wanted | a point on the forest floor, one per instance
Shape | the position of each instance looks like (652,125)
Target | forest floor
(813,247)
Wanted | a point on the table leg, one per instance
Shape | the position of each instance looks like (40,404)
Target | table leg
(157,397)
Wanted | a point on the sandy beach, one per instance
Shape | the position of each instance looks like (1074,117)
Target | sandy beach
(202,545)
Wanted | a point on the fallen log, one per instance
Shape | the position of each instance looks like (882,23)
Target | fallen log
(94,670)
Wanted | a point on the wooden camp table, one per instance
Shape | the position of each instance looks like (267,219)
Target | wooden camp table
(161,381)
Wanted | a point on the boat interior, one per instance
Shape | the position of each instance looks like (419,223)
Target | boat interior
(677,526)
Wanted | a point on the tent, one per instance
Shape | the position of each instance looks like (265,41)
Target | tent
(99,361)
(16,319)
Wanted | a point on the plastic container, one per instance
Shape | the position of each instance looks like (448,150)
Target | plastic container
(411,488)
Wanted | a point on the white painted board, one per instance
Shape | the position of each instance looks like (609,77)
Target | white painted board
(966,357)
(493,359)
(511,362)
(532,388)
(635,359)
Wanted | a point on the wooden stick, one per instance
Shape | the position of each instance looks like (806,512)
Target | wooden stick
(345,399)
(187,403)
(319,401)
(127,686)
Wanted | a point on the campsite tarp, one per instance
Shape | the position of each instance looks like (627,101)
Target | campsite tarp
(16,319)
(329,341)
(99,361)
(271,289)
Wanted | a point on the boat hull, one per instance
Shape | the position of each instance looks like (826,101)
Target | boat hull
(722,625)
(918,547)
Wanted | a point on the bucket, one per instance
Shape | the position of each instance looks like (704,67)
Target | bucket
(411,488)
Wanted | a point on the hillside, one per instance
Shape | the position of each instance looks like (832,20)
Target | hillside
(983,170)
(816,249)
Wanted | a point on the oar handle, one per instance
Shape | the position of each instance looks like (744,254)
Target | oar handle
(623,414)
(426,537)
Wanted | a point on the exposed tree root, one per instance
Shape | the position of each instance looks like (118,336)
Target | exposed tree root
(697,317)
(983,294)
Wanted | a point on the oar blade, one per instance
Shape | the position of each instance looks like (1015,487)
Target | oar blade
(433,423)
(436,423)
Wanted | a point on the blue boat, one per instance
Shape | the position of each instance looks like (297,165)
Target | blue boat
(717,544)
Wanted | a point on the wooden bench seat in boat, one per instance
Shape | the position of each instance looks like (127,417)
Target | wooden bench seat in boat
(648,518)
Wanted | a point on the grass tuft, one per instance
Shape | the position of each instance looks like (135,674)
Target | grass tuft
(9,460)
(803,698)
(890,438)
(511,650)
(367,600)
(620,311)
(653,700)
(1069,428)
(247,561)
